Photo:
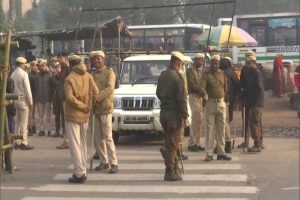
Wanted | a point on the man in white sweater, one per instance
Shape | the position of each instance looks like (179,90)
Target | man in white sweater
(24,104)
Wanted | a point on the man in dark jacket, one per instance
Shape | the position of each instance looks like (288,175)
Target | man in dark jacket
(230,97)
(253,86)
(33,85)
(171,91)
(43,98)
(57,100)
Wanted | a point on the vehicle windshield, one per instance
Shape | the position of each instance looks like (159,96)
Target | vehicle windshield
(142,72)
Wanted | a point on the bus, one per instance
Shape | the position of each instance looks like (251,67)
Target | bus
(275,33)
(168,37)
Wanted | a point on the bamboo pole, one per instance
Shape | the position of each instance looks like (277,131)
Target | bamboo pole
(3,84)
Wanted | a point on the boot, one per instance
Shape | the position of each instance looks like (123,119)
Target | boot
(171,176)
(56,134)
(33,129)
(228,147)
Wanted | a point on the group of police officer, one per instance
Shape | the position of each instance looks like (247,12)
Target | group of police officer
(206,92)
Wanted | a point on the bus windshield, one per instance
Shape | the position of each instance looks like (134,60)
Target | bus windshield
(142,72)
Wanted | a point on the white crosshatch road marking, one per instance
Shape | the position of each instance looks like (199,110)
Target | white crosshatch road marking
(147,189)
(159,177)
(188,166)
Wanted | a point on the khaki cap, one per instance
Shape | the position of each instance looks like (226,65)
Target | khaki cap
(91,54)
(21,60)
(216,57)
(250,53)
(228,58)
(74,58)
(34,62)
(199,55)
(253,58)
(56,64)
(99,53)
(177,55)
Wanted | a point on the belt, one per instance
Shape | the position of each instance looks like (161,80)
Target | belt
(216,100)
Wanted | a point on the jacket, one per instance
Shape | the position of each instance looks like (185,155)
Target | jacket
(43,90)
(194,82)
(22,86)
(105,80)
(171,91)
(80,93)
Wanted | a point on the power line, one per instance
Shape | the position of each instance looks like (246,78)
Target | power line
(153,7)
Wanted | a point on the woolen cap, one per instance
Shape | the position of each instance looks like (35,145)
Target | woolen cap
(216,57)
(74,58)
(21,60)
(228,58)
(177,55)
(99,53)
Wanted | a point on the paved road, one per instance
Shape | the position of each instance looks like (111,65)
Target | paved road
(271,175)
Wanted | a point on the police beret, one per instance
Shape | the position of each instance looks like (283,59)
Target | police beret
(74,58)
(177,55)
(21,60)
(99,53)
(199,55)
(216,57)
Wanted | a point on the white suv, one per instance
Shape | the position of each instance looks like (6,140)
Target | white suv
(136,107)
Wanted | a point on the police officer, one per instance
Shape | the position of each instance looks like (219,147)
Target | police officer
(57,100)
(24,104)
(196,93)
(171,91)
(215,84)
(105,80)
(254,100)
(233,83)
(64,60)
(80,92)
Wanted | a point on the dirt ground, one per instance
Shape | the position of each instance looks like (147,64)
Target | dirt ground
(279,119)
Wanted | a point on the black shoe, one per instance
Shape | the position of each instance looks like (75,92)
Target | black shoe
(224,157)
(163,152)
(170,175)
(242,145)
(228,147)
(30,132)
(25,147)
(209,158)
(75,179)
(113,169)
(49,133)
(33,130)
(102,166)
(215,150)
(96,156)
(42,133)
(184,157)
(200,148)
(17,146)
(193,147)
(254,149)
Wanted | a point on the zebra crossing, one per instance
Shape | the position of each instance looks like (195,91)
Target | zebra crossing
(141,177)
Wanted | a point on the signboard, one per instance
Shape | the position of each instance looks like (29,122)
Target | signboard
(282,22)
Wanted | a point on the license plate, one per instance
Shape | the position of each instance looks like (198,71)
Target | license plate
(136,119)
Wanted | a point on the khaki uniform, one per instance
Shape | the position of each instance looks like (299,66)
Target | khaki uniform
(22,87)
(196,92)
(105,80)
(171,91)
(215,85)
(80,92)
